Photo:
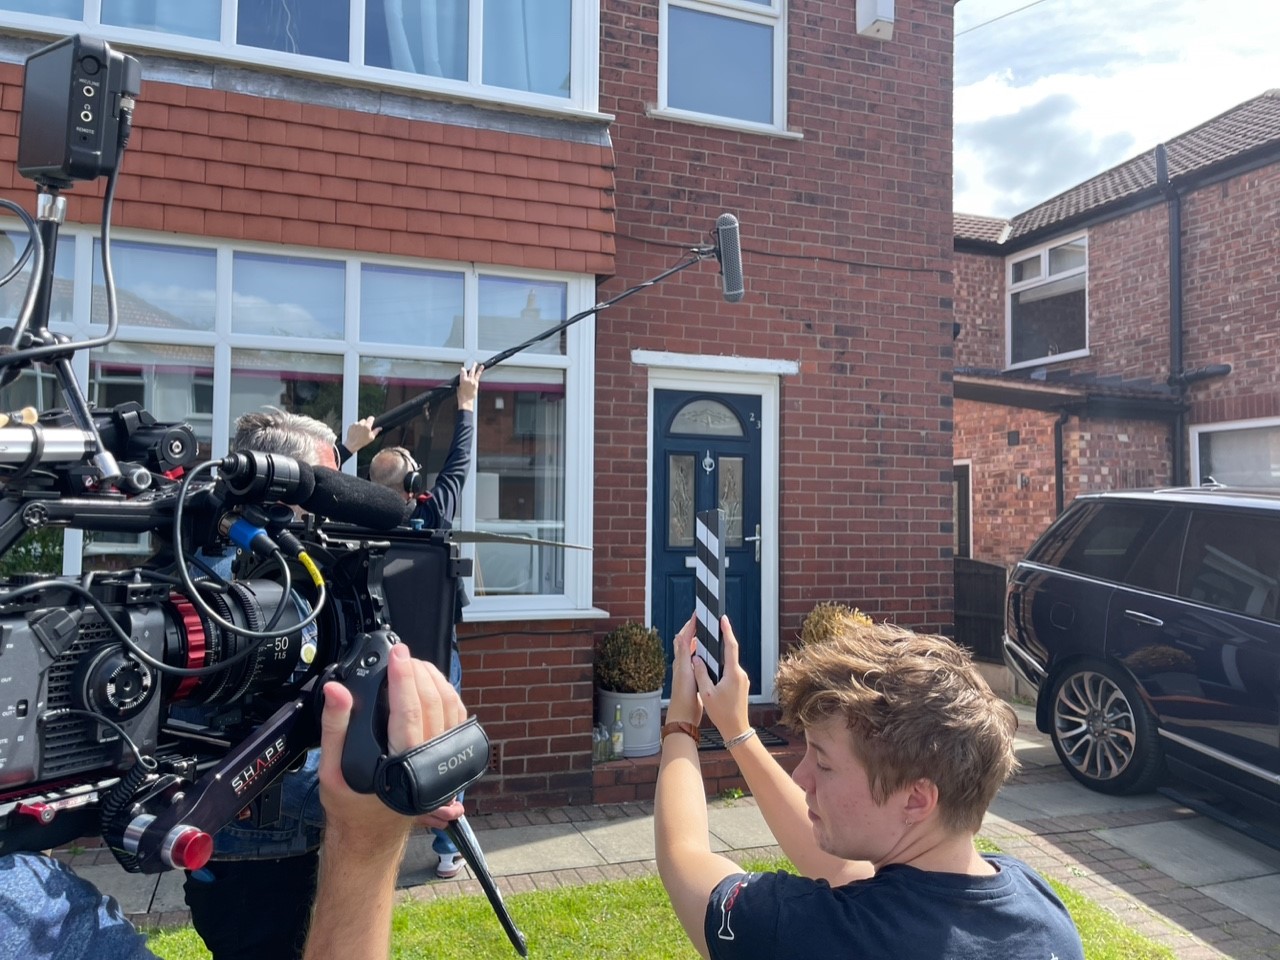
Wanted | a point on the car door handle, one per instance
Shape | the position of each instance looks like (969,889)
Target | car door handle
(1144,618)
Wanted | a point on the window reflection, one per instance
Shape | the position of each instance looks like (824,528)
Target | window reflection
(190,18)
(427,37)
(418,308)
(287,296)
(172,383)
(520,480)
(12,245)
(308,383)
(513,310)
(526,45)
(313,28)
(157,286)
(719,65)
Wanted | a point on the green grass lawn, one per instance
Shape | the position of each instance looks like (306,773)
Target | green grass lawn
(621,919)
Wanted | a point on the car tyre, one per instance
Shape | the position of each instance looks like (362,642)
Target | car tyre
(1102,730)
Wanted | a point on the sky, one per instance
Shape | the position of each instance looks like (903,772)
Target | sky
(1049,93)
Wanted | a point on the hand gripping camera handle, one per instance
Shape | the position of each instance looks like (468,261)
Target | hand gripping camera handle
(418,780)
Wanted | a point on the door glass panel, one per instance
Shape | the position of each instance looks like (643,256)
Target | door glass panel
(731,499)
(680,484)
(707,418)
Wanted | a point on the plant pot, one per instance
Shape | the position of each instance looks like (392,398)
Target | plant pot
(641,719)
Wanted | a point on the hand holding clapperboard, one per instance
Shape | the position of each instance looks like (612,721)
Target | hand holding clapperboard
(709,588)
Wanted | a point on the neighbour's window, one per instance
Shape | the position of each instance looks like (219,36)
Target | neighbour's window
(1245,454)
(724,60)
(1047,303)
(1232,561)
(546,51)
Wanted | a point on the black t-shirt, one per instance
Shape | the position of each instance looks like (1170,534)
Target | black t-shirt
(899,913)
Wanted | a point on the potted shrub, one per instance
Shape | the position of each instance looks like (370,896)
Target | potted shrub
(630,665)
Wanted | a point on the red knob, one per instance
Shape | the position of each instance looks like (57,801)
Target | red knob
(190,848)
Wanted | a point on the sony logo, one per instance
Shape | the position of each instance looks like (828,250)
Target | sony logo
(444,766)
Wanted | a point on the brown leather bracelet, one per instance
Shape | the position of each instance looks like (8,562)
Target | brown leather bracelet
(681,726)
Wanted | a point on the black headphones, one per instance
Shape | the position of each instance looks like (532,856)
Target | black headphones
(413,480)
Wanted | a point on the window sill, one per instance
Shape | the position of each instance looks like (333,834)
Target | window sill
(1047,361)
(511,615)
(721,123)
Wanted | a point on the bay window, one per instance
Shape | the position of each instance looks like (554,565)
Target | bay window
(210,330)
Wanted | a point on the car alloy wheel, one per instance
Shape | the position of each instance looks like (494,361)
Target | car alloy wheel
(1102,732)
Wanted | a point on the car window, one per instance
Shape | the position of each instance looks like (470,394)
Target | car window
(1232,561)
(1107,540)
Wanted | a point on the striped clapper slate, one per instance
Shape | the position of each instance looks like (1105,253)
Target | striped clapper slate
(709,587)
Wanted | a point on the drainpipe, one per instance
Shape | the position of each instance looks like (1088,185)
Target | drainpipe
(1176,378)
(1059,462)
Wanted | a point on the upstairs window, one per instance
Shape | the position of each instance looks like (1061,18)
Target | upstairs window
(1047,313)
(540,52)
(724,62)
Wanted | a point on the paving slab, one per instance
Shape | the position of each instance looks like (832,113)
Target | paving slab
(534,849)
(1258,898)
(739,827)
(134,891)
(1067,799)
(620,841)
(1195,852)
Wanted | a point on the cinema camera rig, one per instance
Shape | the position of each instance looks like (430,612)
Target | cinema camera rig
(151,706)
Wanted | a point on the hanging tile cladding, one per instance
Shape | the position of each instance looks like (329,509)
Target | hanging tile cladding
(211,163)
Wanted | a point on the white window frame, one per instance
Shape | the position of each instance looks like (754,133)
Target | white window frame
(773,15)
(1226,426)
(1044,278)
(584,54)
(577,364)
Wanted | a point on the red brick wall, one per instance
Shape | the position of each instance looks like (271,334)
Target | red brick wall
(209,163)
(1014,490)
(1232,303)
(846,251)
(980,311)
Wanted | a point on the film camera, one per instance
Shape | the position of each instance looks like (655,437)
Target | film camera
(152,705)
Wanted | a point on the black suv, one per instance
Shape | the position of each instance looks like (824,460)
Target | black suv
(1149,622)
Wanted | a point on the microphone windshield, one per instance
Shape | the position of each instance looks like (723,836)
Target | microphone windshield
(347,499)
(729,253)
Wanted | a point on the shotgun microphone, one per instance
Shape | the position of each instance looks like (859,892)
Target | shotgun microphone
(729,253)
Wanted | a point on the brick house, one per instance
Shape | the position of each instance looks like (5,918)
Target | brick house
(330,207)
(1122,334)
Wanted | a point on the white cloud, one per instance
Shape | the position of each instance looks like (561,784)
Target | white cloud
(1096,82)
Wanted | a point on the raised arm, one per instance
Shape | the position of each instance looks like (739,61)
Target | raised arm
(365,839)
(781,801)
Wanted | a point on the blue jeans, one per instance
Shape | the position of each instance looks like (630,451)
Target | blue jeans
(442,845)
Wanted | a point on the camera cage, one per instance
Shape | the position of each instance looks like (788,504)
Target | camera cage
(151,706)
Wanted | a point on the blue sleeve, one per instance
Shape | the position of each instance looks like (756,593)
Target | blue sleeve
(49,913)
(447,490)
(742,918)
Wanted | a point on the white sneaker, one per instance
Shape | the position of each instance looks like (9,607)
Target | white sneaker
(449,865)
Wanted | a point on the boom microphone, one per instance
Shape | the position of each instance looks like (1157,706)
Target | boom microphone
(729,253)
(347,499)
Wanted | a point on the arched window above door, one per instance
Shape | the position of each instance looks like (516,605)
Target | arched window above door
(706,418)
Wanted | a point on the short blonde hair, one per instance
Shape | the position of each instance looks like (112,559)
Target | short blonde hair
(916,706)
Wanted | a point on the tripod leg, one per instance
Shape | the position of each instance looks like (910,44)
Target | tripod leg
(465,840)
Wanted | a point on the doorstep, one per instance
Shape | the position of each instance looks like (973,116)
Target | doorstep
(633,778)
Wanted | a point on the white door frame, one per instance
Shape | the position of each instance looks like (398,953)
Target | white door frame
(740,375)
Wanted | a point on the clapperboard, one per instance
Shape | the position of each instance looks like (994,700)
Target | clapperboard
(709,588)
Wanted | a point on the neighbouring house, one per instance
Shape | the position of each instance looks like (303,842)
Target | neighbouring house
(329,205)
(1125,333)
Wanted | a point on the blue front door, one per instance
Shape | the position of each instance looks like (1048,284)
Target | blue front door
(707,455)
